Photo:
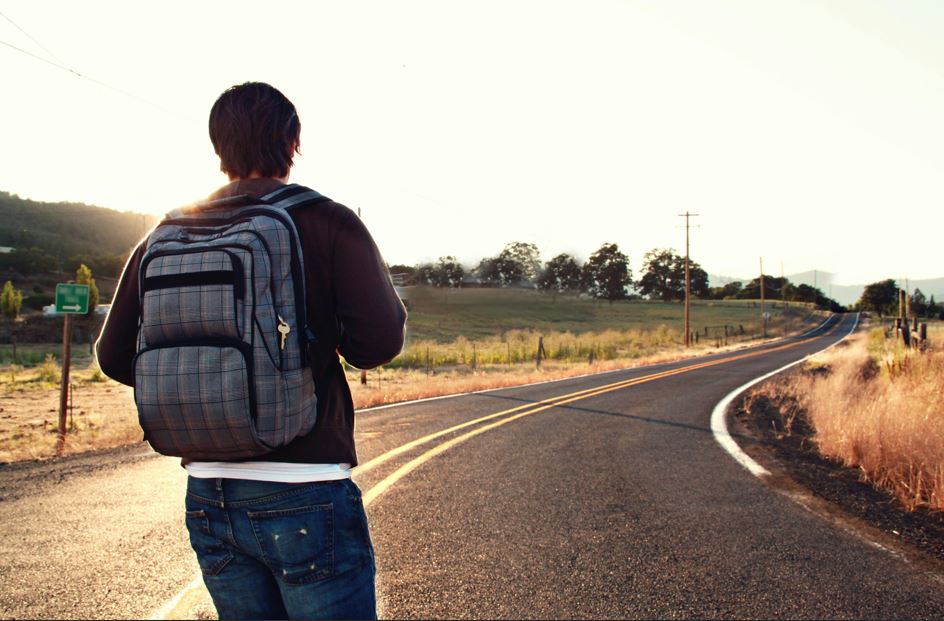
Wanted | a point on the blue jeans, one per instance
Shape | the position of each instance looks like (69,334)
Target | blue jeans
(282,550)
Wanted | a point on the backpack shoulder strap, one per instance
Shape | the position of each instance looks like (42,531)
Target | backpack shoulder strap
(292,196)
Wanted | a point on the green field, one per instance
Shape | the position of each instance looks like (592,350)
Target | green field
(443,315)
(502,326)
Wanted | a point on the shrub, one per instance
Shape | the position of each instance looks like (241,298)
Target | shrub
(49,370)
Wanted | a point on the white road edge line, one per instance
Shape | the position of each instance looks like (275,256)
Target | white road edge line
(167,608)
(719,425)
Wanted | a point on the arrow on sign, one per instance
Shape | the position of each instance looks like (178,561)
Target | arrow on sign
(72,308)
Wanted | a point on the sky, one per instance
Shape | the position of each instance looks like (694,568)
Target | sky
(809,134)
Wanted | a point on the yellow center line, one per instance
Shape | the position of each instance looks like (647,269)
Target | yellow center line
(376,461)
(530,408)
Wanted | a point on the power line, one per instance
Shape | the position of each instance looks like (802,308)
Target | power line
(89,78)
(28,35)
(45,60)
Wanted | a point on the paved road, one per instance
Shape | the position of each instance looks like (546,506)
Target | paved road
(612,502)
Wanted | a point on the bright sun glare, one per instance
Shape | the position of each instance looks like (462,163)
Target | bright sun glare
(807,134)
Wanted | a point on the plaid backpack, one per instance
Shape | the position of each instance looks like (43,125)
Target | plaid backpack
(221,370)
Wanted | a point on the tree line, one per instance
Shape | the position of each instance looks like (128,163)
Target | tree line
(884,299)
(54,237)
(605,275)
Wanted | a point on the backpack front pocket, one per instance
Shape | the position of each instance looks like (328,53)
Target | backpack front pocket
(198,400)
(192,295)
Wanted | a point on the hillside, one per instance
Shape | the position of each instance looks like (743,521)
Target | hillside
(844,294)
(68,230)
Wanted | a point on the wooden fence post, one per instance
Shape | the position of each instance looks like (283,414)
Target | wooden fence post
(541,353)
(64,389)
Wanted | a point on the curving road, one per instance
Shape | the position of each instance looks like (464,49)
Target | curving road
(601,496)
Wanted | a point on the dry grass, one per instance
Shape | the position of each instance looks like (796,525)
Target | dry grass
(879,407)
(517,346)
(102,413)
(394,385)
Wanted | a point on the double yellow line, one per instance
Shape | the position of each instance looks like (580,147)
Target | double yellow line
(528,409)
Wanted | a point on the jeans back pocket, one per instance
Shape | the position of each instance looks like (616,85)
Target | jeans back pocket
(212,554)
(298,543)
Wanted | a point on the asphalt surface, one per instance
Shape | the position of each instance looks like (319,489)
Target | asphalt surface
(618,504)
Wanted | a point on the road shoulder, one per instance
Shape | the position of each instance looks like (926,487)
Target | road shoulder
(828,488)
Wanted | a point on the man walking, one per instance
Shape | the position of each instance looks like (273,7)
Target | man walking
(284,534)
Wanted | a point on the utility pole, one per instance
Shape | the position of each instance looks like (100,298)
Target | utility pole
(688,281)
(763,310)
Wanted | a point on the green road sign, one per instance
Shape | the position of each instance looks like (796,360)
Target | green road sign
(72,298)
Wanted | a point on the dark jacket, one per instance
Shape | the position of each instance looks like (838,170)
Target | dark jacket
(352,309)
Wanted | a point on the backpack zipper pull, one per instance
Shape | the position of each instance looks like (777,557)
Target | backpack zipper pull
(283,329)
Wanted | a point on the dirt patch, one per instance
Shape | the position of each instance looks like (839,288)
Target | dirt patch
(102,415)
(785,443)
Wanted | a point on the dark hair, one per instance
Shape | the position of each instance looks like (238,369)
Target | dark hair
(254,128)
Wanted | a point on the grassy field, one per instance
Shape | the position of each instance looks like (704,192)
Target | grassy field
(443,315)
(472,327)
(879,407)
(457,341)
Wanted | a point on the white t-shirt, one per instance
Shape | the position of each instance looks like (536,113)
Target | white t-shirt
(274,471)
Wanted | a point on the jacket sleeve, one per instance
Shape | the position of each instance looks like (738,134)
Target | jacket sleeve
(117,343)
(370,312)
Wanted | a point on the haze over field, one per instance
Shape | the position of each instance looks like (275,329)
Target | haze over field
(808,133)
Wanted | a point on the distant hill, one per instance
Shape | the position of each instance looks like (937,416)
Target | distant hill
(68,230)
(844,294)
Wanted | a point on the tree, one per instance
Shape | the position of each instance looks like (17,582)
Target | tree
(665,276)
(517,263)
(919,304)
(773,289)
(425,274)
(730,290)
(933,309)
(28,261)
(525,255)
(487,272)
(606,274)
(448,272)
(83,276)
(806,293)
(11,300)
(880,297)
(560,274)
